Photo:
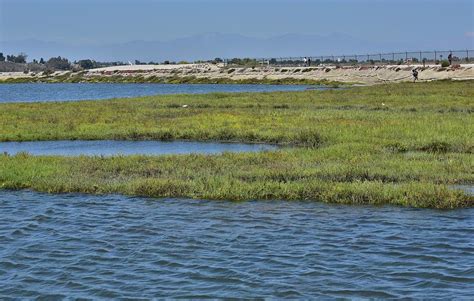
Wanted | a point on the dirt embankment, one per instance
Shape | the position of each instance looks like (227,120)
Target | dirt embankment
(352,74)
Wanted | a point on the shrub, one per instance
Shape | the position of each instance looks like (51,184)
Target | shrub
(309,138)
(444,64)
(48,72)
(436,147)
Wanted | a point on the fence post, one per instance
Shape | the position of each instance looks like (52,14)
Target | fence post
(467,55)
(380,55)
(420,57)
(406,57)
(436,58)
(393,57)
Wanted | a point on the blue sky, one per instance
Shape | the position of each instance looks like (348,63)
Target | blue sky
(400,24)
(99,21)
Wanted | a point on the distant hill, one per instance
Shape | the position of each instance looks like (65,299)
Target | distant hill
(209,46)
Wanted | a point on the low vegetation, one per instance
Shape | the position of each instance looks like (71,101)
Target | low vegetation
(401,144)
(79,77)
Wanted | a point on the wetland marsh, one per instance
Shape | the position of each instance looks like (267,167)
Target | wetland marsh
(402,144)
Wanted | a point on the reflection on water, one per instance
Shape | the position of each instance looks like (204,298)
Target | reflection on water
(114,246)
(113,147)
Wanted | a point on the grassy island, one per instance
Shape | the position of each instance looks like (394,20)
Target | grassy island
(401,144)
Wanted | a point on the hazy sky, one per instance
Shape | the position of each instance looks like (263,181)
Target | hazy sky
(107,21)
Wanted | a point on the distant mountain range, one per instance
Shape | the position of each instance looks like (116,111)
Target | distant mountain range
(212,45)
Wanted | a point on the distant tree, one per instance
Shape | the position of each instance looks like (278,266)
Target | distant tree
(2,58)
(236,61)
(35,61)
(218,60)
(41,61)
(21,58)
(58,63)
(86,64)
(245,62)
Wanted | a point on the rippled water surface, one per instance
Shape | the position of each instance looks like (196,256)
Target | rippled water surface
(115,246)
(68,92)
(113,147)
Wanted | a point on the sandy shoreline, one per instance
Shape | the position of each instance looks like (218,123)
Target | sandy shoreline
(352,74)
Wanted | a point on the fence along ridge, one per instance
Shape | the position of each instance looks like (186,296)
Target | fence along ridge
(428,55)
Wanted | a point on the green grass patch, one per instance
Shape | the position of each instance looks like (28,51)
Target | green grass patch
(401,144)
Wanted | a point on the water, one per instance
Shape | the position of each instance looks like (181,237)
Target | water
(114,246)
(114,147)
(34,92)
(468,189)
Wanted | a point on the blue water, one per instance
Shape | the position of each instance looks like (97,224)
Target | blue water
(82,246)
(34,92)
(468,189)
(114,147)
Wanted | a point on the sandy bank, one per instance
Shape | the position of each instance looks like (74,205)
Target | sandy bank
(352,74)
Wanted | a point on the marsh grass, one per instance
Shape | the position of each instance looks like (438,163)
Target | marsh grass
(174,79)
(401,144)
